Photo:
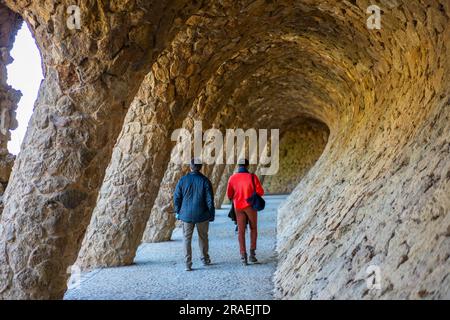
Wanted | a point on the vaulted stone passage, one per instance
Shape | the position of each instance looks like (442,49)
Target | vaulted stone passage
(371,106)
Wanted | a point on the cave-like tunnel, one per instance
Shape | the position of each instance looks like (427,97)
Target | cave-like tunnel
(363,115)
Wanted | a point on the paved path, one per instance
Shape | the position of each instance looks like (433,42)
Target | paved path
(158,272)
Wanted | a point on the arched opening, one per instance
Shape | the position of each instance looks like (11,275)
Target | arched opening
(20,76)
(25,75)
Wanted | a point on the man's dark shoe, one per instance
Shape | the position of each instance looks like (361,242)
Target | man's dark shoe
(206,261)
(253,256)
(244,260)
(188,268)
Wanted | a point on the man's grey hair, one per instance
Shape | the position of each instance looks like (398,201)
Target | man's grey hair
(196,164)
(243,163)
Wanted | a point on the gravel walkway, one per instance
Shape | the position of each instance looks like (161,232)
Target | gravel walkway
(158,272)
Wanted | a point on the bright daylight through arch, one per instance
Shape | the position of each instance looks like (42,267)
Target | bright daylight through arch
(24,74)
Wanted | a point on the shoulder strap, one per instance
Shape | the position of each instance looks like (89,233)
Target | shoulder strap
(253,182)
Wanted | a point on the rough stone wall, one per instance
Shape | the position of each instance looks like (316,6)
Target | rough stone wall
(378,197)
(9,24)
(300,147)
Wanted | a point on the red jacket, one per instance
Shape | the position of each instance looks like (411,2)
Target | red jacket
(240,188)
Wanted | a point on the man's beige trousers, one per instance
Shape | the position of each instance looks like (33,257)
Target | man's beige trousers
(202,230)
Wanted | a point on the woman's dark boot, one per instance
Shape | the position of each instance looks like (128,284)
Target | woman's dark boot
(244,259)
(253,256)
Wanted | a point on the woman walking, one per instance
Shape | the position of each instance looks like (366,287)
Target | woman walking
(241,187)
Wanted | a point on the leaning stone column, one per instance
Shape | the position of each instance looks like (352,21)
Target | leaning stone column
(258,173)
(216,175)
(208,170)
(216,178)
(162,218)
(140,159)
(132,179)
(89,84)
(222,187)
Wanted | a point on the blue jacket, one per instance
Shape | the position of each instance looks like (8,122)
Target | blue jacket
(194,198)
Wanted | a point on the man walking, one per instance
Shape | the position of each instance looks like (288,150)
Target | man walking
(239,189)
(194,206)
